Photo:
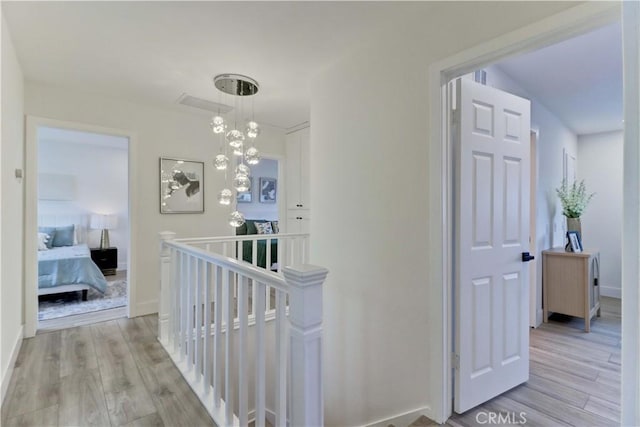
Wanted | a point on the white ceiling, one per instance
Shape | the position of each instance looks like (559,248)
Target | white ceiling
(580,80)
(156,51)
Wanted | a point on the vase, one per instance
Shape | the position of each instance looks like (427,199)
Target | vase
(573,224)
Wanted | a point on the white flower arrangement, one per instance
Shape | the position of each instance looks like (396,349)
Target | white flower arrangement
(574,198)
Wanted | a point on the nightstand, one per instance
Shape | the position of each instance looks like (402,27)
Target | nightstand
(106,260)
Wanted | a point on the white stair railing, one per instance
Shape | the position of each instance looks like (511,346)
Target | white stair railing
(218,324)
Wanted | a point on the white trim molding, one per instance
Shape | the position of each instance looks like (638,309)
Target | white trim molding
(6,375)
(610,291)
(146,307)
(556,28)
(31,212)
(404,419)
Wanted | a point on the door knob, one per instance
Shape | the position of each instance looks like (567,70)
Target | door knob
(526,257)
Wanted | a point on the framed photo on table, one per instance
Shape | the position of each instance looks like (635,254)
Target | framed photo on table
(181,186)
(574,241)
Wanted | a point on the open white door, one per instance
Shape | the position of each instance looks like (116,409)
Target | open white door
(492,233)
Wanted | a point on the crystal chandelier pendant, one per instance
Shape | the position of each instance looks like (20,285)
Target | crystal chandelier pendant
(237,151)
(253,129)
(221,162)
(236,219)
(224,197)
(218,125)
(243,169)
(241,183)
(252,156)
(235,138)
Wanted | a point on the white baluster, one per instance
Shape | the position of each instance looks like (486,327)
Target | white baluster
(184,305)
(164,312)
(260,351)
(228,356)
(198,320)
(281,254)
(190,311)
(243,379)
(217,337)
(254,252)
(267,258)
(305,318)
(209,280)
(281,360)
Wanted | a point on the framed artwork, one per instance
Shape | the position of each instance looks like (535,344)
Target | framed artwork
(181,186)
(574,241)
(246,196)
(268,190)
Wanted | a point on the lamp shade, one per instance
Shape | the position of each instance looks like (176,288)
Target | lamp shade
(104,222)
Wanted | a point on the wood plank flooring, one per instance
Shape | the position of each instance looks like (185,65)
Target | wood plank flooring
(113,373)
(116,374)
(574,376)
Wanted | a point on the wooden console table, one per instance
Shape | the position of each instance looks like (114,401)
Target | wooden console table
(570,284)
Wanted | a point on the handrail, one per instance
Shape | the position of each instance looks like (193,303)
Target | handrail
(223,239)
(244,268)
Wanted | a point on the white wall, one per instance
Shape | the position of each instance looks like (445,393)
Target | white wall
(160,132)
(553,139)
(11,219)
(267,168)
(600,160)
(101,185)
(369,184)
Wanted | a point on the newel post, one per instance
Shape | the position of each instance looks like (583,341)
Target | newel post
(305,317)
(165,286)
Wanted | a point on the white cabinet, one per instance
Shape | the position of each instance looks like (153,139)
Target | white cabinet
(297,178)
(297,146)
(298,221)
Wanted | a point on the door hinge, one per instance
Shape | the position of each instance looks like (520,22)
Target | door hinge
(455,361)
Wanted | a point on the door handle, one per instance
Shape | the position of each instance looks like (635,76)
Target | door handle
(526,257)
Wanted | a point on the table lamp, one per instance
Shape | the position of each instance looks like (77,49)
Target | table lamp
(104,223)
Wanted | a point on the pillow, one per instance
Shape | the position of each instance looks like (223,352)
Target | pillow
(43,238)
(264,228)
(63,236)
(242,230)
(275,227)
(251,226)
(51,231)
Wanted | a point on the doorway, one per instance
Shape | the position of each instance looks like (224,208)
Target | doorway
(83,189)
(561,27)
(78,225)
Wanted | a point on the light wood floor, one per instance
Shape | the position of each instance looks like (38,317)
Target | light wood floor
(574,377)
(116,373)
(107,374)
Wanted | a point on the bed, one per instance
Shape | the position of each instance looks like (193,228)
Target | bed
(68,268)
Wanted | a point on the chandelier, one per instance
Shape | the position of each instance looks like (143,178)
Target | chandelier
(233,137)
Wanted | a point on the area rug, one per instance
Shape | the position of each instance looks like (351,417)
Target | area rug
(70,303)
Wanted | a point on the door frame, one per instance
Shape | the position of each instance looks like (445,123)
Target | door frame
(31,212)
(556,28)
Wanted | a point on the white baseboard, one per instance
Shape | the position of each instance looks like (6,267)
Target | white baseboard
(122,266)
(610,291)
(147,307)
(268,414)
(6,377)
(404,419)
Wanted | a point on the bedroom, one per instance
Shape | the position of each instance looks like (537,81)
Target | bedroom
(82,200)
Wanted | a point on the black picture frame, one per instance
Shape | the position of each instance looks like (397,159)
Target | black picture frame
(575,243)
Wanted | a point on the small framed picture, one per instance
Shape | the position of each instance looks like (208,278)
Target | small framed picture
(268,190)
(246,196)
(181,186)
(574,241)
